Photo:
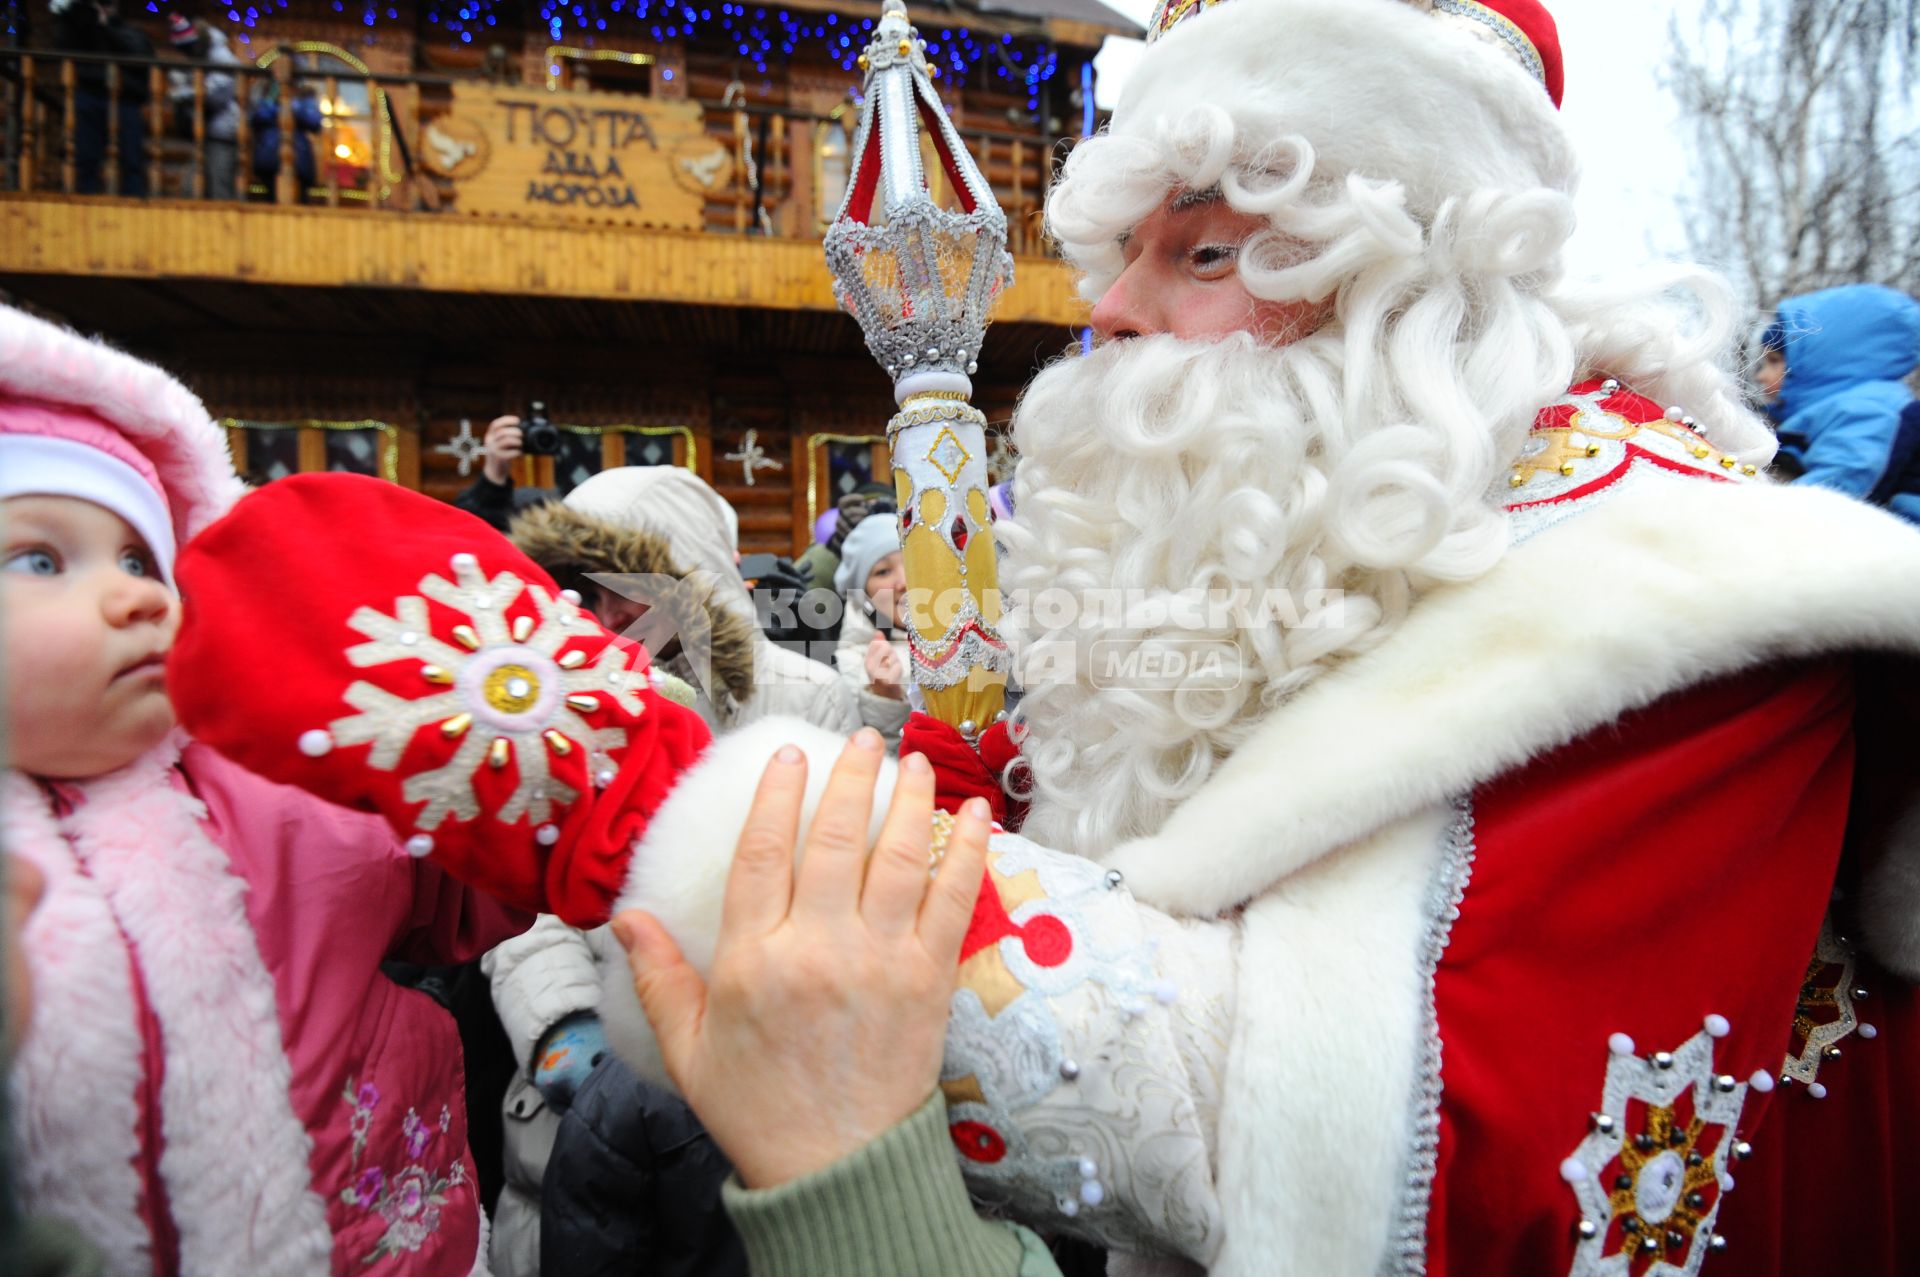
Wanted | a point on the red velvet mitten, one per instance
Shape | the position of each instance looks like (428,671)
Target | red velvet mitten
(387,652)
(960,771)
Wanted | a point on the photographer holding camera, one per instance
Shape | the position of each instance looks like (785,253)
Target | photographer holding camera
(493,495)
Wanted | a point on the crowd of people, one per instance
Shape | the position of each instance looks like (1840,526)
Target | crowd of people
(1540,895)
(111,102)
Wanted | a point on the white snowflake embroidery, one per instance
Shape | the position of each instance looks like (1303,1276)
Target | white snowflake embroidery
(505,689)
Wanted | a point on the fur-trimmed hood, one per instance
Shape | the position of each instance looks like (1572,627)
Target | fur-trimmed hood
(571,546)
(153,411)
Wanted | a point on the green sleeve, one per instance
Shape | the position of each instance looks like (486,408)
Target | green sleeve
(48,1248)
(818,564)
(896,1208)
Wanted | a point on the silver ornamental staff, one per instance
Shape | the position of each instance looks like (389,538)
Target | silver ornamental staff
(921,279)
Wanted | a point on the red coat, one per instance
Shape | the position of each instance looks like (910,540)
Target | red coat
(1670,867)
(1646,717)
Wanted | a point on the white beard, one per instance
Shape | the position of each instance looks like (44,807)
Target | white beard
(1160,471)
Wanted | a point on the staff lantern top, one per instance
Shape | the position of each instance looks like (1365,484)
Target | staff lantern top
(920,279)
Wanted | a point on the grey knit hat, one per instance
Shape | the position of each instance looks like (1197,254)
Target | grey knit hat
(872,539)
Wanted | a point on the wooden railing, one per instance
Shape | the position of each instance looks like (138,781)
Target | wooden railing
(87,124)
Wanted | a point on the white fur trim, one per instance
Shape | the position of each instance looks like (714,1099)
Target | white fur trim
(1428,106)
(1653,590)
(701,529)
(679,869)
(75,1084)
(236,1158)
(480,1268)
(1890,899)
(1313,1124)
(156,413)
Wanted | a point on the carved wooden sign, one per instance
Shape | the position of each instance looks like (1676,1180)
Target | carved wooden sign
(596,157)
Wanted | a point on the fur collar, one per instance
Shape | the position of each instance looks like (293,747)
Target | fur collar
(75,1084)
(1663,584)
(157,414)
(133,877)
(570,545)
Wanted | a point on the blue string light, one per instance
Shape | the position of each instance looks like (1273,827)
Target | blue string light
(956,52)
(754,35)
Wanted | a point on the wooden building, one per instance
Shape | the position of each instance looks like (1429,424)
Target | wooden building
(445,209)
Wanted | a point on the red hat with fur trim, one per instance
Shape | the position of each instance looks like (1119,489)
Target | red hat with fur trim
(1445,97)
(387,652)
(1522,29)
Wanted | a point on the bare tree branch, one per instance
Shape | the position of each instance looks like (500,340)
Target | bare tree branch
(1804,140)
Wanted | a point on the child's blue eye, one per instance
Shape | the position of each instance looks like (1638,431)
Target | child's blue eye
(135,563)
(33,563)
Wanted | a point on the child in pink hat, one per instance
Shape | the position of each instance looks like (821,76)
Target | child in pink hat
(216,1077)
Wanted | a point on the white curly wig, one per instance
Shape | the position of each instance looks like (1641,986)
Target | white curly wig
(1415,180)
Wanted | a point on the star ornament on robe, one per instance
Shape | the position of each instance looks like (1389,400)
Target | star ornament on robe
(1651,1172)
(1825,1014)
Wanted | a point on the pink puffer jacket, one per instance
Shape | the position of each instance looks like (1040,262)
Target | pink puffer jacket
(218,1078)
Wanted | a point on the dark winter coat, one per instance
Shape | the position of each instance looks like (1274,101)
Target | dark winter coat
(500,503)
(633,1187)
(78,27)
(1900,487)
(266,137)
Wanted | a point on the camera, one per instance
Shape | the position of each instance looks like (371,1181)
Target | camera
(538,436)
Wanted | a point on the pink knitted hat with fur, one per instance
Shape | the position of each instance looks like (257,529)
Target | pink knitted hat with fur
(57,451)
(64,395)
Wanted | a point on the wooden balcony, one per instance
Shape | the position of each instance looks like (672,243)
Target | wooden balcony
(368,305)
(729,214)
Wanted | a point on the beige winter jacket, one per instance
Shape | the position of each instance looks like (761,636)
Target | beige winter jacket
(884,714)
(665,520)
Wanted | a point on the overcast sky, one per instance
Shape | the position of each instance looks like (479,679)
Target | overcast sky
(1621,120)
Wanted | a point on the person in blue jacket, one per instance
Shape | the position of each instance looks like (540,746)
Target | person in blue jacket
(265,118)
(1840,399)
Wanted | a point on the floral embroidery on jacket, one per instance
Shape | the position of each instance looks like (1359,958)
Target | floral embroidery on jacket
(409,1199)
(365,1099)
(416,1134)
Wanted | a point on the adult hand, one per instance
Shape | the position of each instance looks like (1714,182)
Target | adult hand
(503,445)
(884,671)
(823,1022)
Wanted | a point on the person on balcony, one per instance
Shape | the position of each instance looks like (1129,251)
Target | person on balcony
(266,138)
(96,27)
(219,103)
